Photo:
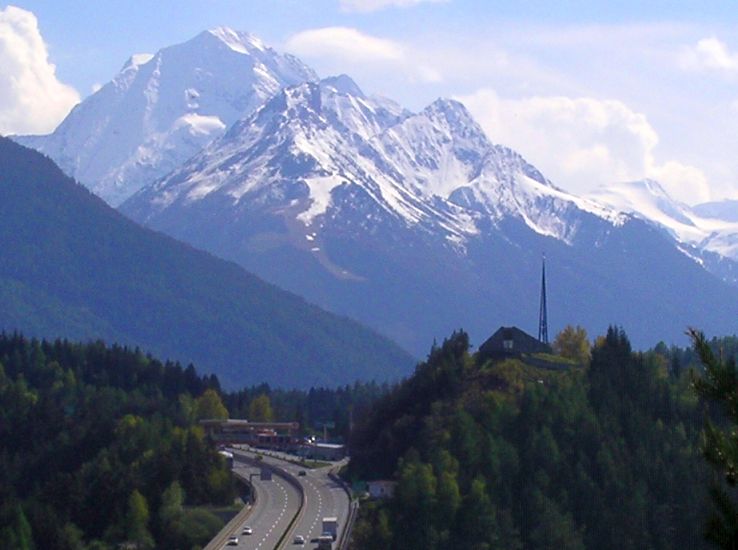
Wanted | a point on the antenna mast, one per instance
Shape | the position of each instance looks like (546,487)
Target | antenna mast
(543,313)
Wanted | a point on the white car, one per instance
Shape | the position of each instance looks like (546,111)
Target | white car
(299,539)
(247,531)
(232,541)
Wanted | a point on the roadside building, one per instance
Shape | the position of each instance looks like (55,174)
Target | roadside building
(322,451)
(382,488)
(263,435)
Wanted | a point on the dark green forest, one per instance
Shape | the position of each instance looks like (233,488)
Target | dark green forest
(100,446)
(505,455)
(312,408)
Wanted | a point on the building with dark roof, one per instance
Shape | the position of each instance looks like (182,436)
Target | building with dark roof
(510,342)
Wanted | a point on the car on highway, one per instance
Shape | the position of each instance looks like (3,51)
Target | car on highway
(301,473)
(232,541)
(299,539)
(247,531)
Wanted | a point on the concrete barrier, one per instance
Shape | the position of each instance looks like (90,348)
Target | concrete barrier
(232,526)
(284,474)
(348,525)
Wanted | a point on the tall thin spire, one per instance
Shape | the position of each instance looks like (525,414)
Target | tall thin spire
(543,313)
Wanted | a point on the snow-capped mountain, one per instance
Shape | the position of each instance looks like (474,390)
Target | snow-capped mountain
(700,232)
(299,146)
(163,108)
(434,171)
(417,224)
(413,223)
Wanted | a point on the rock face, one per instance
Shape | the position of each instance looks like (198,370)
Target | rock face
(417,224)
(163,108)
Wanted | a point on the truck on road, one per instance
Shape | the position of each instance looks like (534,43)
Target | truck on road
(325,542)
(330,527)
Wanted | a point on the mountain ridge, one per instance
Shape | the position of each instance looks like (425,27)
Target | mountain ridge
(417,225)
(161,109)
(74,267)
(699,232)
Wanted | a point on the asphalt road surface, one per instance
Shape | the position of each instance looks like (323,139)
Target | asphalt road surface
(323,498)
(276,504)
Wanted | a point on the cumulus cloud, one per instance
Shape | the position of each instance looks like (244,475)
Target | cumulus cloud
(709,54)
(683,182)
(582,143)
(343,48)
(346,43)
(32,100)
(365,6)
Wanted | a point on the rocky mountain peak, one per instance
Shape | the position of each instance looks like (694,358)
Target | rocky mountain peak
(162,109)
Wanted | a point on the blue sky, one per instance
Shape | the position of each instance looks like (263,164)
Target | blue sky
(590,92)
(89,40)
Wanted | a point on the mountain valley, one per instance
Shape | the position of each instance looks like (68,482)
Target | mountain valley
(412,223)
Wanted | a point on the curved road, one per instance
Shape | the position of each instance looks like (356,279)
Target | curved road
(276,504)
(323,498)
(278,501)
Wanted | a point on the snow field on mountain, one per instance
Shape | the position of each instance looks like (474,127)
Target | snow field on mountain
(199,119)
(649,201)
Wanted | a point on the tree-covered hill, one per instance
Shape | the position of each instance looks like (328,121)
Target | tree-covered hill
(100,446)
(506,455)
(70,266)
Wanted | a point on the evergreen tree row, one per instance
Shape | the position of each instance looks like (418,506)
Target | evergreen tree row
(99,446)
(505,455)
(313,408)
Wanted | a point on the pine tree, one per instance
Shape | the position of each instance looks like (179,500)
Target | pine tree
(719,383)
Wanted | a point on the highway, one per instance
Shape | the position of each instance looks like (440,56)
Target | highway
(276,504)
(323,498)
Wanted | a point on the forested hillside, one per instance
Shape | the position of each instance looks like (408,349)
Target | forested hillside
(504,455)
(100,446)
(73,267)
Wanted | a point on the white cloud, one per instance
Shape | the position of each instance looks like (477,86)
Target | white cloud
(709,54)
(32,100)
(683,182)
(365,6)
(345,49)
(344,43)
(582,143)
